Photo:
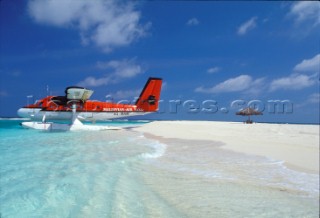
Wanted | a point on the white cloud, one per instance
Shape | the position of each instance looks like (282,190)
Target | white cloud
(247,85)
(121,69)
(256,87)
(292,82)
(248,25)
(304,11)
(193,22)
(309,65)
(164,86)
(314,98)
(297,80)
(236,84)
(213,70)
(94,82)
(107,24)
(117,71)
(125,94)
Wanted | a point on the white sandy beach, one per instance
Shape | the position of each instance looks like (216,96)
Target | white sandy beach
(296,145)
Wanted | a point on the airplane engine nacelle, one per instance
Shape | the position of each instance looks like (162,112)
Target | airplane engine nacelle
(78,93)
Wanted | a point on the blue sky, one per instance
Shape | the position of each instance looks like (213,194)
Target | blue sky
(218,51)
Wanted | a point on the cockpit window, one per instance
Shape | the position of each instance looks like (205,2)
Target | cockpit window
(38,103)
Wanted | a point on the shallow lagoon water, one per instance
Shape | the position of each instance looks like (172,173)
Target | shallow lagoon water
(124,174)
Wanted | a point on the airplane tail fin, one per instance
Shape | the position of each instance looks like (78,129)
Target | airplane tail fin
(149,98)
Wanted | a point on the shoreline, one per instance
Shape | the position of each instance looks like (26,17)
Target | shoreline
(296,145)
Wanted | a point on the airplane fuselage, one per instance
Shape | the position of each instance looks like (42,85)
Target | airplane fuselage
(90,110)
(38,114)
(76,102)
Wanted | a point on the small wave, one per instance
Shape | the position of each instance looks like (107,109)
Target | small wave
(13,118)
(275,173)
(142,121)
(159,150)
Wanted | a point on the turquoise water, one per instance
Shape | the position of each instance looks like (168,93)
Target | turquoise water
(66,174)
(123,174)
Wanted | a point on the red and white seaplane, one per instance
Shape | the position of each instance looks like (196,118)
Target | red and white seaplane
(76,107)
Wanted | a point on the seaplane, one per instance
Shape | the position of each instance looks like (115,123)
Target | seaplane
(75,107)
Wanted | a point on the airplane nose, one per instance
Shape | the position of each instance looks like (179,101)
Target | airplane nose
(22,112)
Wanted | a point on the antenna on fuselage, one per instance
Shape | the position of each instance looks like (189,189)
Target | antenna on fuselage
(47,90)
(29,96)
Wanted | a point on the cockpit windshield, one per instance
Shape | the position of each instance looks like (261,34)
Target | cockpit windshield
(39,103)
